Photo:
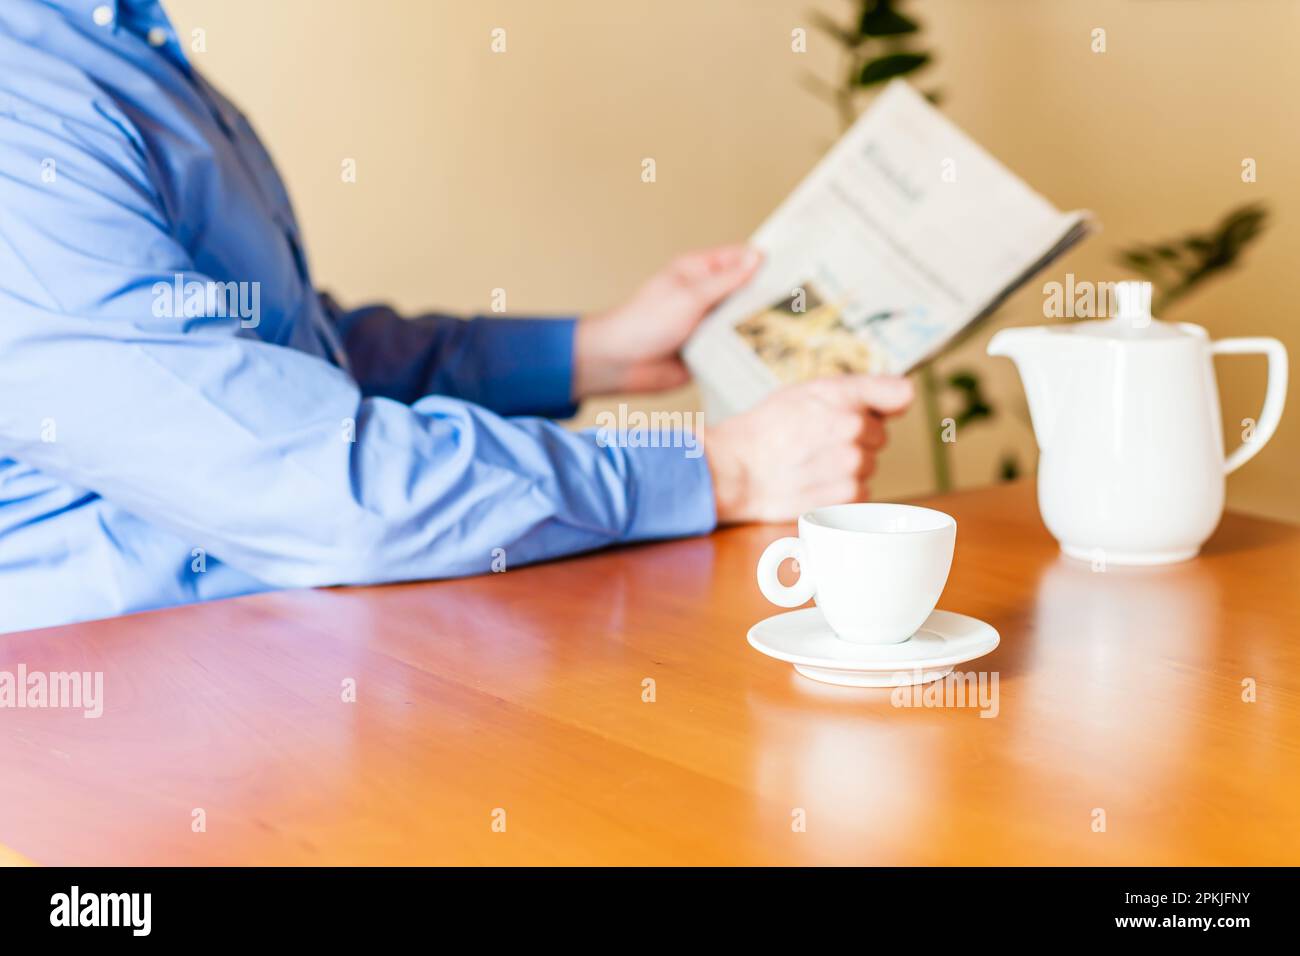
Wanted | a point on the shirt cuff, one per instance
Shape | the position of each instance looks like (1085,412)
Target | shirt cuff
(527,365)
(671,491)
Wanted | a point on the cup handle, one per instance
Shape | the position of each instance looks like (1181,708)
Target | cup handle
(771,586)
(1274,394)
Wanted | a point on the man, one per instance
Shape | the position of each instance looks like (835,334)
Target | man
(182,417)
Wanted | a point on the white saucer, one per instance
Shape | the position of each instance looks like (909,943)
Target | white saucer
(804,639)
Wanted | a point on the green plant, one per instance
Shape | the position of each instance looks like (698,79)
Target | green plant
(877,48)
(1177,266)
(879,45)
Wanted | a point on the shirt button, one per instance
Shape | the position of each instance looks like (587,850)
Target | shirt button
(103,15)
(157,36)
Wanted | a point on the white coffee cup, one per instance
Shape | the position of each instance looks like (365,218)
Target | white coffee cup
(876,570)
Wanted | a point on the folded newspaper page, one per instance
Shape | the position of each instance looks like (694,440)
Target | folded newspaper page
(905,234)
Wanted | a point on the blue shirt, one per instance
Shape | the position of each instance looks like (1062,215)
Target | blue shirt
(183,417)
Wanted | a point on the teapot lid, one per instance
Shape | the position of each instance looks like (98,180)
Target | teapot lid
(1132,318)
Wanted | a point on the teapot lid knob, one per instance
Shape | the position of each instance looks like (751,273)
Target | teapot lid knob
(1133,303)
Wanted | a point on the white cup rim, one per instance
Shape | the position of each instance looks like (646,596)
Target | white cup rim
(821,518)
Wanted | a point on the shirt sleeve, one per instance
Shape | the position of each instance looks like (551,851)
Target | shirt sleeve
(520,366)
(270,458)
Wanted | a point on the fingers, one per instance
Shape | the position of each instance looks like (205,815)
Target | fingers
(804,446)
(713,274)
(847,467)
(840,492)
(857,464)
(883,394)
(703,262)
(872,436)
(866,429)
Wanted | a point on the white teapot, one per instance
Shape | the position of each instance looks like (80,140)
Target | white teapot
(1126,414)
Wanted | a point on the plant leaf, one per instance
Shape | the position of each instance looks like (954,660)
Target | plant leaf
(964,381)
(887,67)
(1197,256)
(974,407)
(882,20)
(1009,467)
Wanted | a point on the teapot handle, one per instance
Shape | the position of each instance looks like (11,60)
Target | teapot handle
(1274,394)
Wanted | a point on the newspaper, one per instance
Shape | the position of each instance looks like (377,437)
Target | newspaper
(905,234)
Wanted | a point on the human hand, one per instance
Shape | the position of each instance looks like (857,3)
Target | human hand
(635,347)
(802,447)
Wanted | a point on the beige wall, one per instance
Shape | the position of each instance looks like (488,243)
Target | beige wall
(521,170)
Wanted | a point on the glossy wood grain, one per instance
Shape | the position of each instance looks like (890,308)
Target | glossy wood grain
(522,692)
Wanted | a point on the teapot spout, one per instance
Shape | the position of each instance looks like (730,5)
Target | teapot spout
(1033,351)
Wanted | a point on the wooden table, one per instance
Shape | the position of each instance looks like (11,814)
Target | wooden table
(519,698)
